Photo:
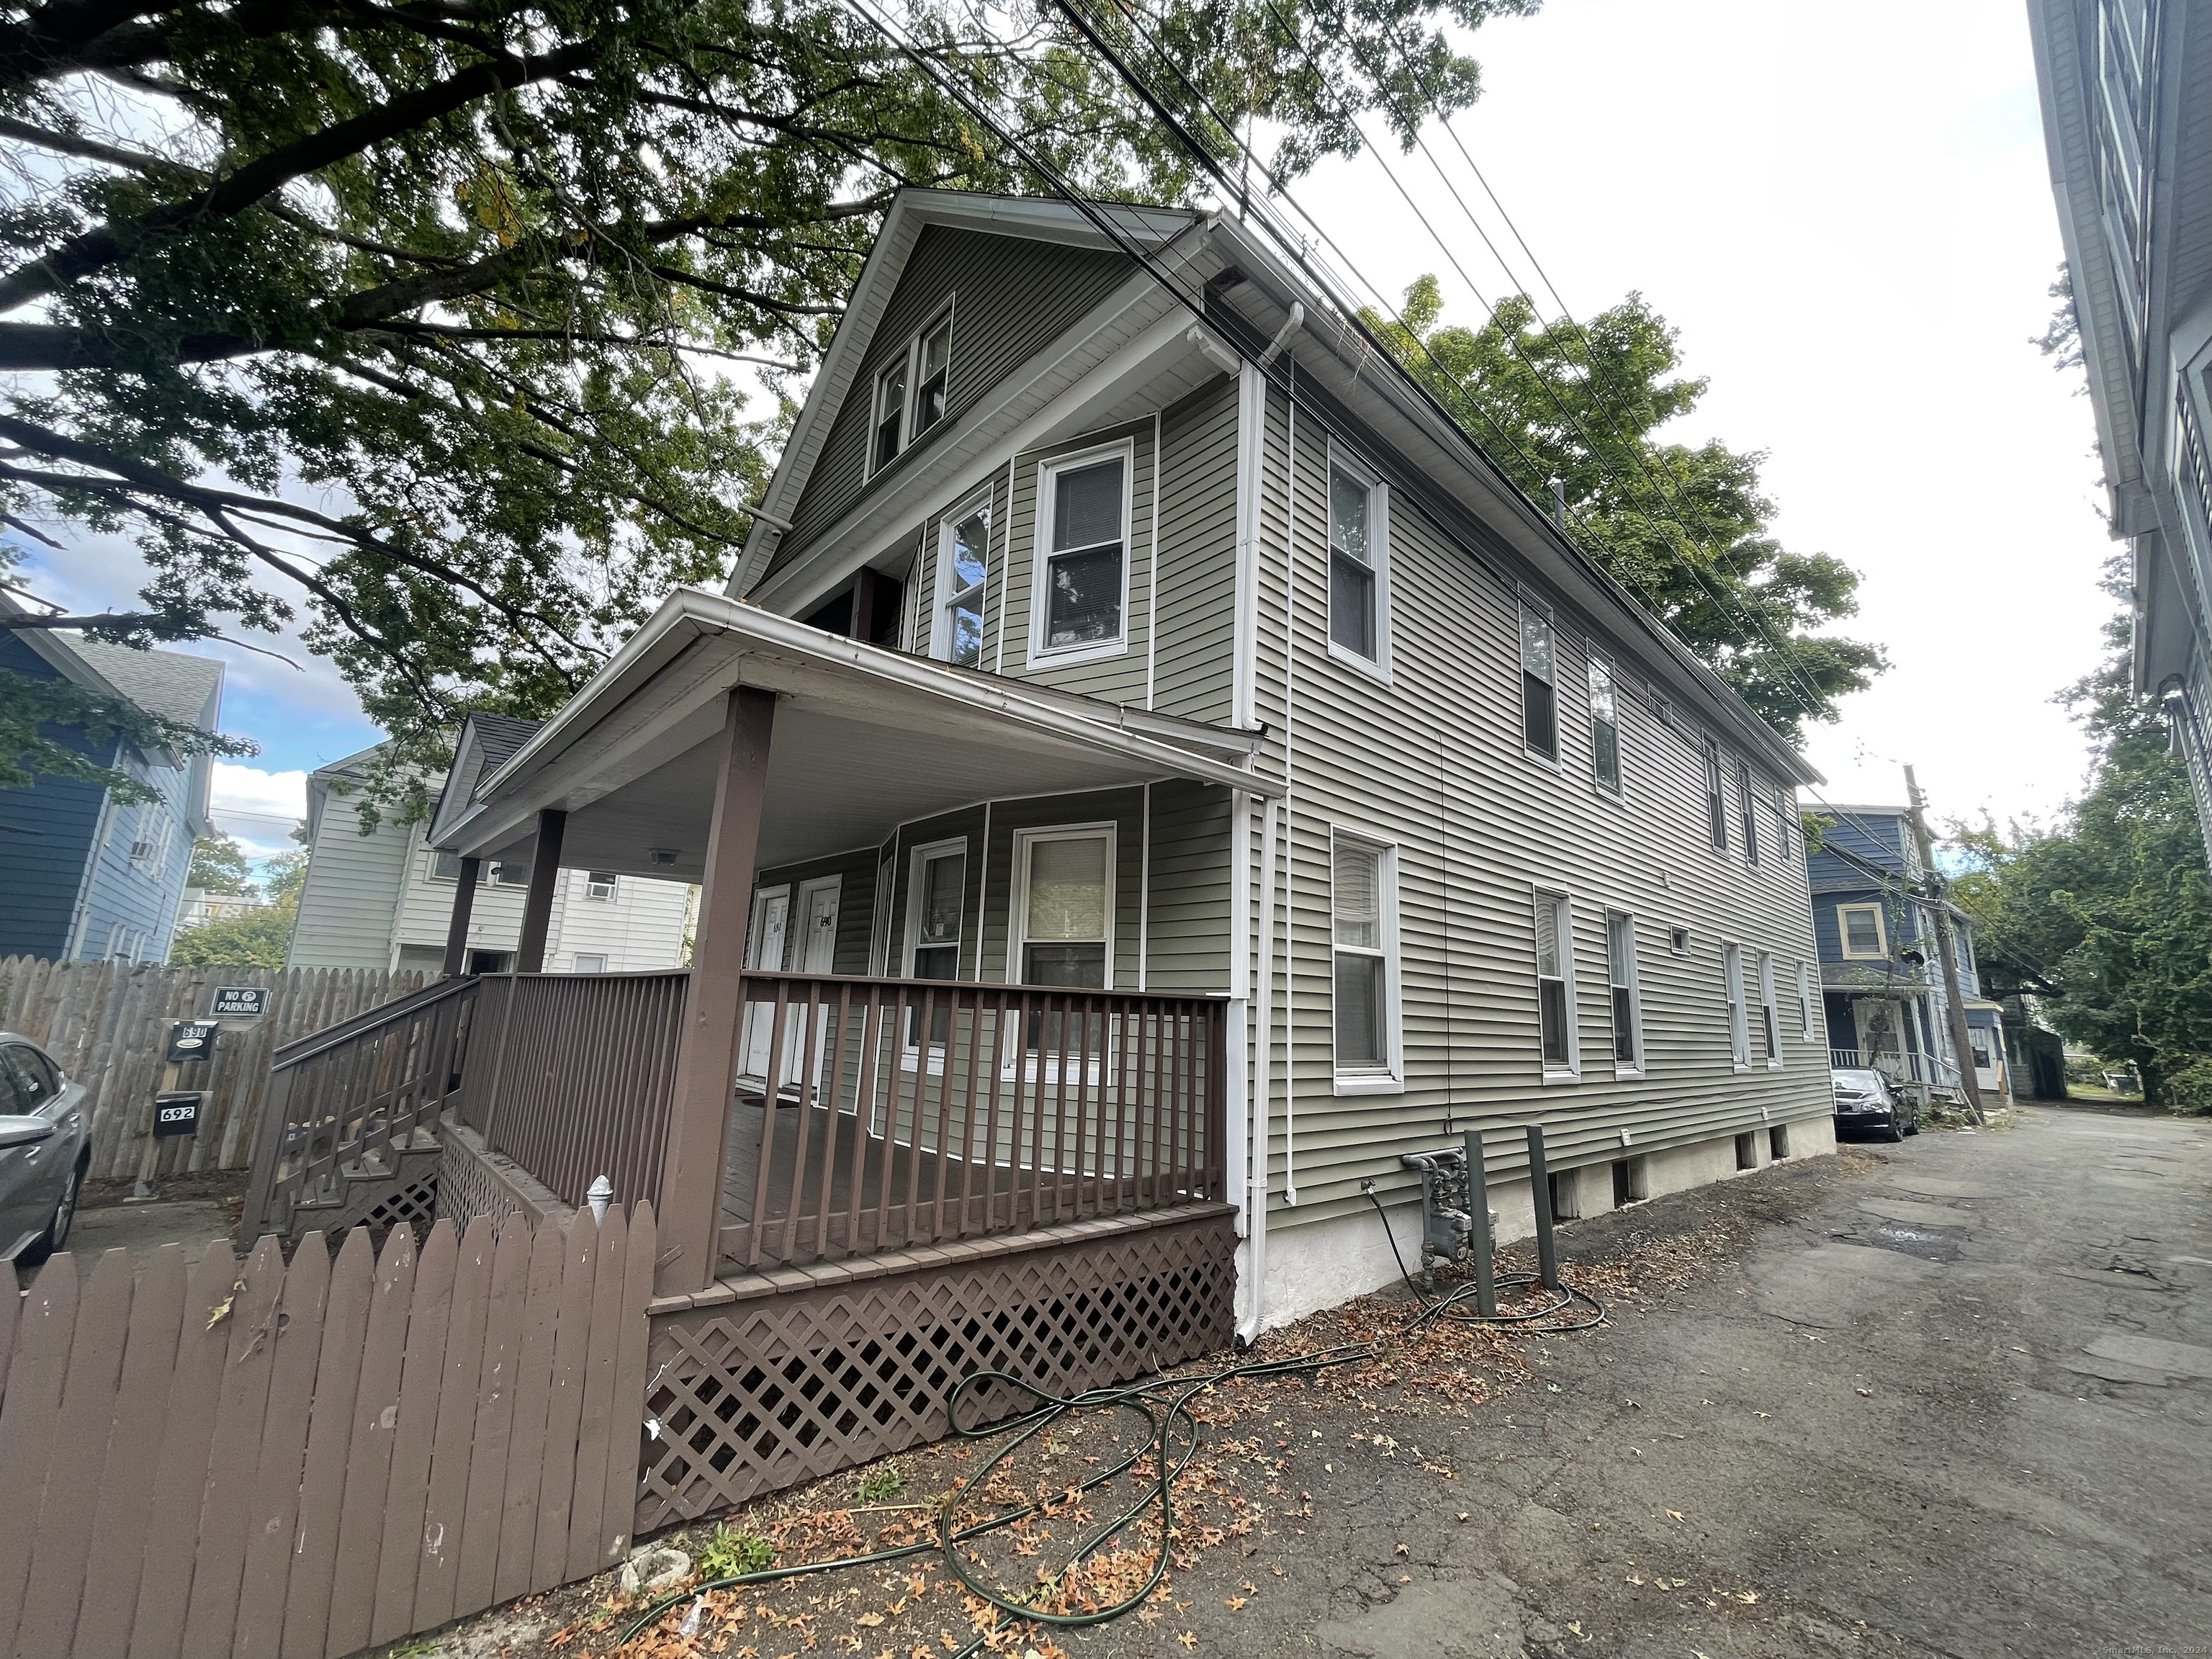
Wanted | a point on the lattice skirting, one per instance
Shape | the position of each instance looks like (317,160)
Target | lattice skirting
(474,1183)
(753,1395)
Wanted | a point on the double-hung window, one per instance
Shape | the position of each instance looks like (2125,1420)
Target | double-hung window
(1716,797)
(1065,907)
(1860,928)
(1748,813)
(1555,985)
(1739,1030)
(1363,941)
(1805,1000)
(1359,576)
(1627,1012)
(963,554)
(910,393)
(1605,726)
(1540,698)
(937,892)
(1082,557)
(1769,1013)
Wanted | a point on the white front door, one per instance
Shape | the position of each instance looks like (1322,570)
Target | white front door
(764,950)
(818,910)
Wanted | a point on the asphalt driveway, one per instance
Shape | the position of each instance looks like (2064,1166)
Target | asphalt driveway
(1952,1397)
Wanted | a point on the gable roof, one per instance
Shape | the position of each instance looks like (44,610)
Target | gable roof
(1248,294)
(170,684)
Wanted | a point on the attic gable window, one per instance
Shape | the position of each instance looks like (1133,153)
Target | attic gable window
(911,392)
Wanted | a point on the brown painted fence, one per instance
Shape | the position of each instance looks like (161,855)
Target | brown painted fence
(252,1460)
(106,1024)
(888,1113)
(570,1076)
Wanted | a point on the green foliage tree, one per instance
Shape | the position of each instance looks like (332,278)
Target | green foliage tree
(2105,917)
(1685,530)
(219,865)
(429,311)
(257,939)
(283,875)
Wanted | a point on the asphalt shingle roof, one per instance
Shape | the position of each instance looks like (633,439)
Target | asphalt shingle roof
(166,682)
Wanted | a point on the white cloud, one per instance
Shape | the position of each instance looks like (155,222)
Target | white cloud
(258,809)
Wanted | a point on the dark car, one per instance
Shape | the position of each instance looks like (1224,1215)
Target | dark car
(1866,1100)
(44,1145)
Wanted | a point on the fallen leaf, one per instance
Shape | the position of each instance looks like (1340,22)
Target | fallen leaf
(1673,1514)
(1866,1393)
(1747,1597)
(1188,1639)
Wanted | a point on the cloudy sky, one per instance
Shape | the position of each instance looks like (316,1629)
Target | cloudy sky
(1853,232)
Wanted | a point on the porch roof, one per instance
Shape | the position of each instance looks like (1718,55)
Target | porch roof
(865,739)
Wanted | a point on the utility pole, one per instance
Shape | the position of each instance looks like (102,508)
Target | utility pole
(1932,884)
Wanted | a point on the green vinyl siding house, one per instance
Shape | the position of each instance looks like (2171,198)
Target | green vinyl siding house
(1138,795)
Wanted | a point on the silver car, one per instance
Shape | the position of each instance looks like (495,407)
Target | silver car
(44,1145)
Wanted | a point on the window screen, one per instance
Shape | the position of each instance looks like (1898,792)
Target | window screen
(1539,724)
(1361,967)
(1064,931)
(1082,571)
(942,891)
(1553,942)
(1605,726)
(1351,597)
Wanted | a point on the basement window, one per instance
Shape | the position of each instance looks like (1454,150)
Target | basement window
(1777,1141)
(1746,1150)
(1566,1200)
(1632,1181)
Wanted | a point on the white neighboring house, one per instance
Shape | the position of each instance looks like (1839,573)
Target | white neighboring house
(201,907)
(384,900)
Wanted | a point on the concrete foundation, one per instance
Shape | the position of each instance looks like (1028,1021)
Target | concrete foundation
(1321,1264)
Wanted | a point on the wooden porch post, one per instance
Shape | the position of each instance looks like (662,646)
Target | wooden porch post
(537,904)
(713,1009)
(457,929)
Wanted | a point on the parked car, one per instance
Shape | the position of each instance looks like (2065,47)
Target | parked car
(44,1146)
(1865,1099)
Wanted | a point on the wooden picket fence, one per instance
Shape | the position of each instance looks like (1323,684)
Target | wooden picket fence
(106,1024)
(259,1461)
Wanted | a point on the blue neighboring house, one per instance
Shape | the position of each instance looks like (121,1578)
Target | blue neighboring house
(91,877)
(1881,983)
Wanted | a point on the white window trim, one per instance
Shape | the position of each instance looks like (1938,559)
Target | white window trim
(1746,822)
(1049,472)
(613,887)
(913,360)
(1770,1009)
(1735,994)
(1805,1001)
(1018,918)
(917,859)
(1367,1080)
(1572,1070)
(1378,542)
(1526,600)
(1624,1069)
(577,960)
(1616,792)
(1880,953)
(977,502)
(1712,803)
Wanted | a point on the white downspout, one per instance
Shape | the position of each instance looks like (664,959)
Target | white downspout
(1262,1081)
(1238,1085)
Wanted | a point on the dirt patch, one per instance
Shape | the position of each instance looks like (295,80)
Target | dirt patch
(215,1185)
(1268,1450)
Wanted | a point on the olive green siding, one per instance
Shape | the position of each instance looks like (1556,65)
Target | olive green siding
(1433,763)
(856,904)
(1189,946)
(1191,670)
(1010,296)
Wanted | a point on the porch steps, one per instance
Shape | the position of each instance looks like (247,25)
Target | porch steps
(379,1193)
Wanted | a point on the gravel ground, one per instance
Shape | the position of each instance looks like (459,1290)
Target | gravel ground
(1946,1398)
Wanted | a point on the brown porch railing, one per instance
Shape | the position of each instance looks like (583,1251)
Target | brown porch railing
(355,1097)
(880,1113)
(574,1075)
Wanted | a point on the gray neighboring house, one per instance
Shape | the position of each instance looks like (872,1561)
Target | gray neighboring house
(2127,117)
(385,900)
(1101,657)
